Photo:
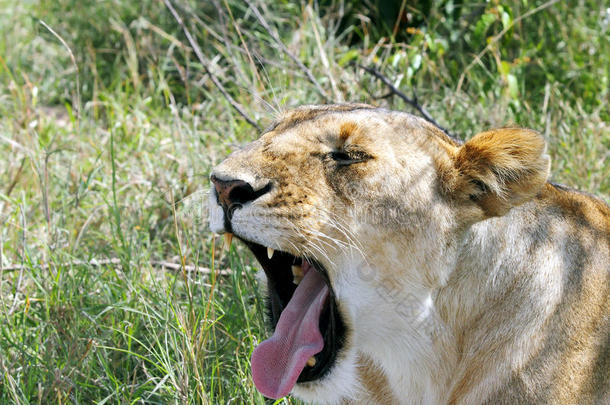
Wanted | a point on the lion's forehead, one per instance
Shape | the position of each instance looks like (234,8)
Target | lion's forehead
(328,127)
(295,117)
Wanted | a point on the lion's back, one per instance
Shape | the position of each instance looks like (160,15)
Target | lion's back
(572,365)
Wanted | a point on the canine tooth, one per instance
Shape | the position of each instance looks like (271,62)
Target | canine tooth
(297,273)
(228,239)
(311,361)
(270,252)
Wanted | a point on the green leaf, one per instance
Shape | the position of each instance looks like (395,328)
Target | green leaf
(513,86)
(483,24)
(348,57)
(505,16)
(396,58)
(507,20)
(504,68)
(416,62)
(409,74)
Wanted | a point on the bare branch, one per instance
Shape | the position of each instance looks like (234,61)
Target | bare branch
(411,101)
(283,48)
(15,180)
(163,265)
(238,107)
(190,268)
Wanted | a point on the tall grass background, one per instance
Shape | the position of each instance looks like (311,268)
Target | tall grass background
(112,289)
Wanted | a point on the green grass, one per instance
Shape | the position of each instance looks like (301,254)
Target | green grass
(106,153)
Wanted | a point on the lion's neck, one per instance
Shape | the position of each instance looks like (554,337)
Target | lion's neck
(394,291)
(429,310)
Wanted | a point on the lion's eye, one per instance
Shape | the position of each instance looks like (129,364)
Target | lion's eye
(340,156)
(345,158)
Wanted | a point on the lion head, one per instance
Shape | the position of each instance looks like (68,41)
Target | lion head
(354,214)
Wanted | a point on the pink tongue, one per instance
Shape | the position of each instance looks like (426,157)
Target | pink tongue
(278,361)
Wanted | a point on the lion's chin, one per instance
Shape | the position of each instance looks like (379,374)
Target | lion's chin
(338,386)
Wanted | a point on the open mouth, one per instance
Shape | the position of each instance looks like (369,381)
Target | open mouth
(308,331)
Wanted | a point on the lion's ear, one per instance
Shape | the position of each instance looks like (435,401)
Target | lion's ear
(502,168)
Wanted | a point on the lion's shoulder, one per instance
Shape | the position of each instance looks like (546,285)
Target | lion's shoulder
(580,210)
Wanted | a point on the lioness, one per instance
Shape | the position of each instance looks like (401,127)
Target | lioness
(404,267)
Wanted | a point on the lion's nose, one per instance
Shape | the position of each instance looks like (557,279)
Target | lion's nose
(236,192)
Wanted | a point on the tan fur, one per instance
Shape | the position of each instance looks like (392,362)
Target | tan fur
(464,277)
(374,382)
